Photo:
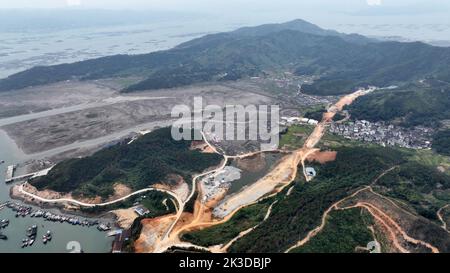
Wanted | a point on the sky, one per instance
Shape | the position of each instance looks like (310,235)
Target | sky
(288,8)
(333,14)
(214,5)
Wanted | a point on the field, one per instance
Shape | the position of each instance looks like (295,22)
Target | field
(295,136)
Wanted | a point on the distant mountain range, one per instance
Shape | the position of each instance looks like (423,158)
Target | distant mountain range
(343,62)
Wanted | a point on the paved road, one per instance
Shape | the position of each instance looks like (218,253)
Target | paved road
(83,204)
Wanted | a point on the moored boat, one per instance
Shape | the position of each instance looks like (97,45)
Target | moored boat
(31,231)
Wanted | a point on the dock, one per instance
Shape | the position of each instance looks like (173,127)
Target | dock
(119,240)
(114,232)
(11,178)
(10,173)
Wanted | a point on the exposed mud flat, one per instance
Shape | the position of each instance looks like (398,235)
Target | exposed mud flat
(58,95)
(115,113)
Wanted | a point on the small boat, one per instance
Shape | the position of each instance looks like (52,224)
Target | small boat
(31,232)
(3,237)
(103,227)
(47,237)
(2,161)
(31,242)
(4,223)
(25,242)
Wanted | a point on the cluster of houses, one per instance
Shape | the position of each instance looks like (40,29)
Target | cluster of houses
(384,134)
(291,86)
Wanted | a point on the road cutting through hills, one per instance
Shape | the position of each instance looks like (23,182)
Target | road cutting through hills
(392,229)
(280,177)
(441,218)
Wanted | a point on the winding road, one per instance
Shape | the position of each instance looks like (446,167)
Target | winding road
(299,156)
(83,204)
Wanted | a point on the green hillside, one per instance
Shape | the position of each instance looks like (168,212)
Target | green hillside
(148,160)
(411,105)
(441,142)
(343,233)
(423,190)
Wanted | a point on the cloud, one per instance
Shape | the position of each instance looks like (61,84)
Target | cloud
(73,3)
(374,2)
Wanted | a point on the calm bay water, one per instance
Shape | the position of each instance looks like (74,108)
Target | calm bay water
(90,239)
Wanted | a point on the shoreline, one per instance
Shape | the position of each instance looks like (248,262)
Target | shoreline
(57,207)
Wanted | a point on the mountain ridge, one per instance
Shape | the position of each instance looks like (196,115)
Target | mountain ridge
(342,63)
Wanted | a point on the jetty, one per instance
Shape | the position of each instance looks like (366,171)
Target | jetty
(10,178)
(120,237)
(114,232)
(10,173)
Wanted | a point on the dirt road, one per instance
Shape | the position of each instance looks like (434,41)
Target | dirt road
(83,204)
(441,218)
(280,177)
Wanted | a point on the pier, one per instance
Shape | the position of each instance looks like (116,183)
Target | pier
(10,172)
(114,232)
(11,178)
(119,239)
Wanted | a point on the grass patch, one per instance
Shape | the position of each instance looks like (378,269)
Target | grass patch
(429,158)
(296,136)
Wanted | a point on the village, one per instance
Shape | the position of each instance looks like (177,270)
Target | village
(384,134)
(289,87)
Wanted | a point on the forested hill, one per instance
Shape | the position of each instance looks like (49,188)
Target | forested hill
(426,104)
(344,62)
(148,160)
